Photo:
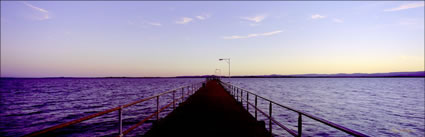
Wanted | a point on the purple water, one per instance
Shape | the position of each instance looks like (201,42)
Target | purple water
(373,106)
(28,105)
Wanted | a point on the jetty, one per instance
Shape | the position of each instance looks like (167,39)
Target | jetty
(211,108)
(210,112)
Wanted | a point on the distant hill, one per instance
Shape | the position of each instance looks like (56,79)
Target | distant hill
(342,75)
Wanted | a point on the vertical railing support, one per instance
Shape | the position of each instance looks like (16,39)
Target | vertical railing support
(231,93)
(120,122)
(182,95)
(247,100)
(157,108)
(270,118)
(237,95)
(300,126)
(174,100)
(241,97)
(255,107)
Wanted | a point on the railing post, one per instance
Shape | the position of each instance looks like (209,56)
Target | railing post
(231,93)
(157,108)
(174,100)
(255,107)
(300,124)
(182,94)
(270,118)
(237,95)
(120,122)
(241,97)
(247,100)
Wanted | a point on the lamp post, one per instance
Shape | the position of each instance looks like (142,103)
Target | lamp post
(228,62)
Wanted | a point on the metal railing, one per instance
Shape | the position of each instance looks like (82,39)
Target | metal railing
(185,90)
(238,93)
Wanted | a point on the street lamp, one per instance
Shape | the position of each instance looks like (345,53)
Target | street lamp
(228,62)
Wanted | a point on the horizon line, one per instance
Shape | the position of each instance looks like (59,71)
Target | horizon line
(262,75)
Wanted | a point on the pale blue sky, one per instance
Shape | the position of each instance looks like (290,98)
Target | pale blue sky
(76,38)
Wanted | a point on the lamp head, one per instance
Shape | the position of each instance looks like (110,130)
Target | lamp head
(220,59)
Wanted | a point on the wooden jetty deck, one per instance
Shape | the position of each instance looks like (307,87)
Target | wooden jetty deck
(210,112)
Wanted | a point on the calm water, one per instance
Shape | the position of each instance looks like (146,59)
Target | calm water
(28,105)
(374,106)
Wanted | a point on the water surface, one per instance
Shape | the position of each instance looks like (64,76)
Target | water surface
(374,106)
(28,105)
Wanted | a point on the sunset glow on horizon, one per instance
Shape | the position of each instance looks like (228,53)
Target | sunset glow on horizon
(147,39)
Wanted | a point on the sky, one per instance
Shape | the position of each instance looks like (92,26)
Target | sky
(145,38)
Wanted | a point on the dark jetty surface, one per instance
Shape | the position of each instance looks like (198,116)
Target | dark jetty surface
(210,112)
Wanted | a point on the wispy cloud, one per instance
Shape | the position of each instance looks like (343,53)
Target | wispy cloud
(407,6)
(317,16)
(36,8)
(154,23)
(203,17)
(253,35)
(44,13)
(144,24)
(184,20)
(336,20)
(255,19)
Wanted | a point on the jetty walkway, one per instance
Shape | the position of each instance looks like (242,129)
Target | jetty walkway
(210,112)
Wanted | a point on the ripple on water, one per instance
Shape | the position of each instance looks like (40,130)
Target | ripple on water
(29,105)
(374,106)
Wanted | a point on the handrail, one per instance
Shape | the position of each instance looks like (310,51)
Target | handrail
(236,89)
(279,124)
(191,89)
(147,118)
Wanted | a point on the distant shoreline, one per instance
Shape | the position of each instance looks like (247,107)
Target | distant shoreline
(417,74)
(201,77)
